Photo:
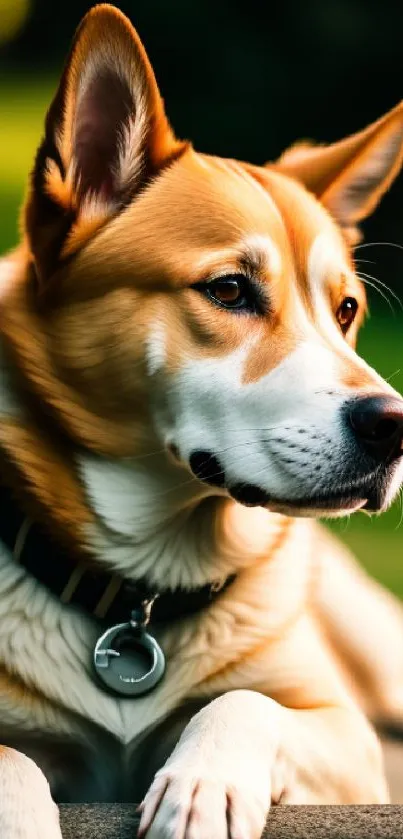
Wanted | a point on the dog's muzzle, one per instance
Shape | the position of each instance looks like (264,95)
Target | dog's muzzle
(373,432)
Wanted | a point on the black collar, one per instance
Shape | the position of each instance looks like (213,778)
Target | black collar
(105,596)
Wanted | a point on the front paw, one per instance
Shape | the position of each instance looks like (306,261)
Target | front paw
(193,805)
(27,810)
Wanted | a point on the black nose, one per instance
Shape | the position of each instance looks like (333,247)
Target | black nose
(377,421)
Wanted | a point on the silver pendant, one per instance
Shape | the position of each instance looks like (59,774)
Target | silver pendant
(127,659)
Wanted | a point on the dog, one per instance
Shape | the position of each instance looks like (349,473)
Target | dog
(180,401)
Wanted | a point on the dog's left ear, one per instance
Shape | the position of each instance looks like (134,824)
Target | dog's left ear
(106,134)
(350,177)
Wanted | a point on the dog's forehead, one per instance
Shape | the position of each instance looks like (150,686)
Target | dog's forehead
(319,251)
(189,219)
(203,207)
(202,214)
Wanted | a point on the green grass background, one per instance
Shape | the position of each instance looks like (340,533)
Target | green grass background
(377,541)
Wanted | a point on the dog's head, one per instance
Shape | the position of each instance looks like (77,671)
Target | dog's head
(207,305)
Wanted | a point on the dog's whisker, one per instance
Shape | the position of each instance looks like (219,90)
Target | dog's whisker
(388,378)
(346,523)
(262,429)
(181,485)
(399,524)
(216,452)
(365,279)
(383,285)
(377,244)
(192,480)
(136,457)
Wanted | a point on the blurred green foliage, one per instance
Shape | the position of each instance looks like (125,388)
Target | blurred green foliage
(13,16)
(378,541)
(23,104)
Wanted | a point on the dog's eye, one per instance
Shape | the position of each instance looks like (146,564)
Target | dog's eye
(231,292)
(346,313)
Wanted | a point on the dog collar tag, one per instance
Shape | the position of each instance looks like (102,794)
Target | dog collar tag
(127,659)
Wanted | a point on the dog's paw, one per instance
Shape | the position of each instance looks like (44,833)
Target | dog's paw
(27,810)
(221,777)
(194,805)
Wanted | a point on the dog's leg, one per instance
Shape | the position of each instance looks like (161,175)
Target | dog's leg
(244,751)
(27,810)
(364,625)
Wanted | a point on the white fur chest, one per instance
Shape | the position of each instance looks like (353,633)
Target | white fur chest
(49,648)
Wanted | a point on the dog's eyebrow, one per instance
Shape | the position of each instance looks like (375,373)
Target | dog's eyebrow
(256,253)
(260,254)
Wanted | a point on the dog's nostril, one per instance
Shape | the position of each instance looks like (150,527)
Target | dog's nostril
(384,429)
(378,423)
(206,466)
(249,495)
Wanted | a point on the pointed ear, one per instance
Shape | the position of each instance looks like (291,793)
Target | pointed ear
(351,176)
(106,135)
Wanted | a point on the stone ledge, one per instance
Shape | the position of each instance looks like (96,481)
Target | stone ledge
(119,821)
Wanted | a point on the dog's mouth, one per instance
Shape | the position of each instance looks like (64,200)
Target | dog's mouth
(344,494)
(369,494)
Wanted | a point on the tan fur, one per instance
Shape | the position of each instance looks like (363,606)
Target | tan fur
(327,170)
(115,361)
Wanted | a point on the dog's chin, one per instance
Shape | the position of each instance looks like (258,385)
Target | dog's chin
(318,508)
(372,496)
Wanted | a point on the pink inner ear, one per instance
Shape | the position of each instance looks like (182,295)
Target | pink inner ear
(103,110)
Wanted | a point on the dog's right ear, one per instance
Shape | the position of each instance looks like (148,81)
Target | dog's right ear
(106,135)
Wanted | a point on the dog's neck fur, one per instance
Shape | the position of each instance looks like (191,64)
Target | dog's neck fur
(143,515)
(160,526)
